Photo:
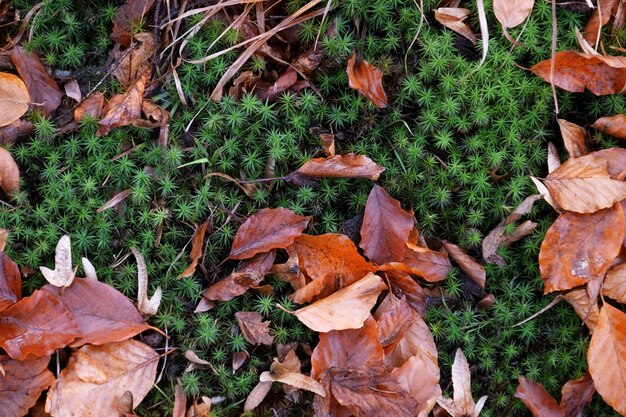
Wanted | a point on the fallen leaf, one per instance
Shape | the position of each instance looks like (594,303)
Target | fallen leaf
(581,301)
(45,94)
(583,185)
(155,116)
(430,265)
(115,200)
(553,157)
(124,109)
(16,130)
(512,13)
(284,373)
(92,106)
(614,285)
(576,72)
(133,62)
(266,91)
(613,125)
(386,228)
(393,317)
(254,329)
(96,378)
(266,230)
(36,326)
(9,174)
(328,144)
(102,313)
(576,395)
(14,98)
(452,18)
(600,17)
(537,399)
(128,16)
(574,138)
(462,404)
(607,357)
(180,400)
(468,264)
(579,247)
(196,250)
(72,90)
(21,384)
(367,80)
(10,282)
(146,306)
(239,358)
(349,165)
(257,395)
(403,285)
(63,274)
(615,159)
(348,308)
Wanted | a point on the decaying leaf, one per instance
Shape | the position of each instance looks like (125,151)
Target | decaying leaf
(133,62)
(92,106)
(574,138)
(147,306)
(613,125)
(468,264)
(349,165)
(266,230)
(614,285)
(348,308)
(257,395)
(16,130)
(63,274)
(328,144)
(128,16)
(615,159)
(393,317)
(10,282)
(9,174)
(403,285)
(14,98)
(36,326)
(288,372)
(196,250)
(452,18)
(580,247)
(462,404)
(367,80)
(254,329)
(124,109)
(72,90)
(180,400)
(431,265)
(21,383)
(97,377)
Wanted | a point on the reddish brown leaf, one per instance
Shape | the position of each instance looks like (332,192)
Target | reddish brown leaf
(266,230)
(10,282)
(576,394)
(36,326)
(386,228)
(124,109)
(393,318)
(402,285)
(468,264)
(537,399)
(607,357)
(22,383)
(92,107)
(45,94)
(614,285)
(416,342)
(576,72)
(133,62)
(196,250)
(613,125)
(130,13)
(342,166)
(103,314)
(9,174)
(367,80)
(580,247)
(180,400)
(431,265)
(254,329)
(18,129)
(452,18)
(574,138)
(328,144)
(419,377)
(14,98)
(282,84)
(600,17)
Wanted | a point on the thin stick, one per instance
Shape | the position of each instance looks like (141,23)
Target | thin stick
(553,57)
(554,302)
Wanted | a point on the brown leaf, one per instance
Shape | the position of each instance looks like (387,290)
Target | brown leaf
(386,228)
(600,17)
(416,342)
(613,125)
(579,247)
(614,285)
(615,159)
(512,13)
(97,377)
(130,13)
(115,200)
(584,185)
(196,250)
(431,265)
(419,377)
(124,109)
(132,63)
(468,264)
(328,144)
(180,400)
(239,358)
(22,383)
(576,394)
(588,312)
(16,130)
(72,90)
(452,18)
(92,107)
(607,357)
(348,308)
(14,98)
(393,318)
(266,230)
(254,329)
(45,94)
(462,404)
(575,71)
(574,138)
(36,326)
(9,174)
(257,395)
(537,399)
(402,285)
(367,80)
(342,166)
(288,372)
(283,83)
(102,313)
(10,282)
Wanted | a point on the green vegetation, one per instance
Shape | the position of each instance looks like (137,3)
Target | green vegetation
(458,143)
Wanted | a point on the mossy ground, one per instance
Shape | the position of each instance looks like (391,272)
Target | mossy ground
(458,142)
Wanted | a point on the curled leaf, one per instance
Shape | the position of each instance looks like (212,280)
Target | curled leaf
(63,274)
(147,306)
(613,125)
(367,80)
(9,174)
(253,328)
(452,18)
(196,250)
(462,404)
(342,166)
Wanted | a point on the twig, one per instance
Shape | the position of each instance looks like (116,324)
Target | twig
(554,302)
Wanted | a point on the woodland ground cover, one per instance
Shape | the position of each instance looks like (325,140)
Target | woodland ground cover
(458,142)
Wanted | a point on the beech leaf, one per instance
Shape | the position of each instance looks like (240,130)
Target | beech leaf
(21,384)
(124,109)
(576,395)
(588,311)
(537,399)
(613,125)
(600,17)
(431,265)
(63,274)
(14,98)
(452,18)
(196,250)
(288,372)
(574,138)
(367,80)
(92,106)
(462,404)
(468,264)
(614,285)
(9,174)
(129,14)
(10,282)
(512,13)
(349,165)
(254,329)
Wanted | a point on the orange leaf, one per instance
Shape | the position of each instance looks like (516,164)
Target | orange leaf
(196,250)
(9,174)
(124,109)
(468,264)
(92,107)
(393,317)
(367,80)
(614,285)
(254,329)
(36,326)
(580,247)
(102,313)
(574,138)
(452,18)
(576,394)
(431,265)
(386,228)
(588,312)
(266,230)
(328,144)
(537,399)
(10,282)
(22,383)
(342,166)
(403,285)
(14,98)
(607,357)
(613,125)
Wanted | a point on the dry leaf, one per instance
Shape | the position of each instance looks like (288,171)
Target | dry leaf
(128,16)
(115,200)
(124,109)
(348,308)
(196,250)
(512,13)
(342,166)
(63,274)
(328,144)
(403,285)
(613,125)
(239,358)
(614,285)
(583,185)
(21,384)
(97,377)
(417,342)
(537,399)
(576,395)
(257,395)
(615,159)
(45,94)
(600,17)
(147,306)
(92,107)
(9,174)
(588,312)
(452,18)
(266,230)
(16,130)
(288,372)
(553,158)
(367,80)
(10,282)
(393,317)
(254,329)
(574,138)
(133,62)
(72,90)
(36,326)
(14,98)
(468,264)
(180,400)
(462,404)
(431,265)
